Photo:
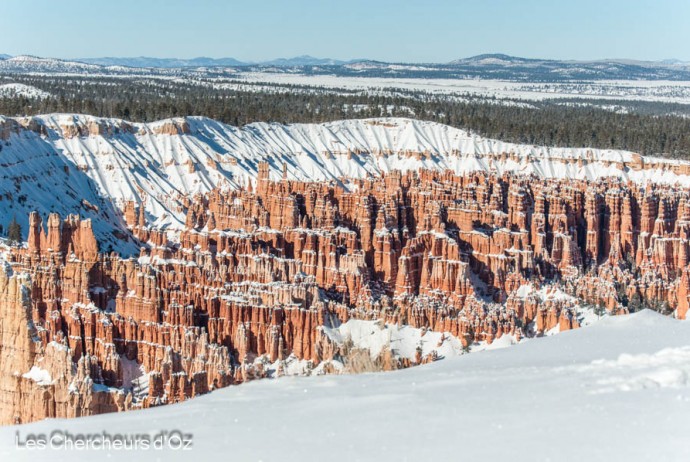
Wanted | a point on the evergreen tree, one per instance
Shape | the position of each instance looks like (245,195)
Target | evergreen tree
(14,231)
(646,127)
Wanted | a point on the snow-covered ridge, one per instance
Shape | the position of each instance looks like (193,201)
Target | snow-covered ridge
(83,157)
(13,90)
(27,63)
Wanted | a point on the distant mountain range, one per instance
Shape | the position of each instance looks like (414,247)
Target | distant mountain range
(500,66)
(305,60)
(497,59)
(486,66)
(143,61)
(493,59)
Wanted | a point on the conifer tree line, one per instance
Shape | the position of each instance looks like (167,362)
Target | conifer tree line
(645,127)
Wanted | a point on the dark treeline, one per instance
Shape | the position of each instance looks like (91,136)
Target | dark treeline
(543,123)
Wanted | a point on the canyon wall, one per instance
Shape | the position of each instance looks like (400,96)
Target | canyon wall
(258,274)
(79,164)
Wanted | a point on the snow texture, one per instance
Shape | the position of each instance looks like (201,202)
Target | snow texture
(38,375)
(15,90)
(95,175)
(616,390)
(403,341)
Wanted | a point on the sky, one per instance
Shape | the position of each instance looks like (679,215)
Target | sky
(387,30)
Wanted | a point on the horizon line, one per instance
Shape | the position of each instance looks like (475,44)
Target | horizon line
(344,60)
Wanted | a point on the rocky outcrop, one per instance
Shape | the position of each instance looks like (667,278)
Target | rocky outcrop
(40,379)
(8,127)
(258,273)
(171,127)
(70,163)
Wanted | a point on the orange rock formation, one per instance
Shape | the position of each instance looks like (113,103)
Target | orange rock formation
(256,273)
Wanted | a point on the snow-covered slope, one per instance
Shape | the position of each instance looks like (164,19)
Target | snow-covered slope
(403,341)
(14,90)
(618,390)
(30,64)
(157,163)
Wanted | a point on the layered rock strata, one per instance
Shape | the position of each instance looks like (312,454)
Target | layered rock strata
(260,273)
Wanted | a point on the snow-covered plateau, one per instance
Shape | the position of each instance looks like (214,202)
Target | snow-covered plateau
(616,390)
(504,78)
(505,91)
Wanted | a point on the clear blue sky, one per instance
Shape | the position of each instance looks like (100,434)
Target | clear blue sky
(412,31)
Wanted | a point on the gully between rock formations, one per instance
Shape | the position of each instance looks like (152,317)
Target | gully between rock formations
(260,274)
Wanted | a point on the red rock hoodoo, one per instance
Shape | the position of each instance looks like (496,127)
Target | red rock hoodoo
(257,273)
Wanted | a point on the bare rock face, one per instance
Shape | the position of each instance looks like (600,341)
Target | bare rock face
(258,272)
(172,127)
(70,126)
(7,128)
(18,343)
(39,379)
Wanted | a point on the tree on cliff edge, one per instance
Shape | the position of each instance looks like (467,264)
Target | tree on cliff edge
(14,231)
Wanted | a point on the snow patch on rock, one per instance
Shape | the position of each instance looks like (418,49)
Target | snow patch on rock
(402,341)
(38,375)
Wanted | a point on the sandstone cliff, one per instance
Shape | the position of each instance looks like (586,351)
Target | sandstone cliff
(261,277)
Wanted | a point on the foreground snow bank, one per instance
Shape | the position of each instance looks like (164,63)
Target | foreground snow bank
(616,390)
